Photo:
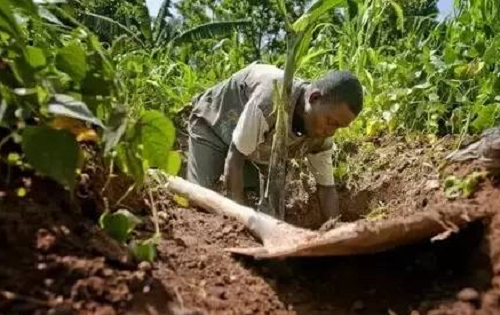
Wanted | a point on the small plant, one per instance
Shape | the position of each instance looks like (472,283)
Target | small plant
(59,88)
(120,225)
(455,187)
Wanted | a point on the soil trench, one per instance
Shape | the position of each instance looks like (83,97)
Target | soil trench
(50,263)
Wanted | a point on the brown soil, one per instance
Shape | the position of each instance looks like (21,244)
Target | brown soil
(52,261)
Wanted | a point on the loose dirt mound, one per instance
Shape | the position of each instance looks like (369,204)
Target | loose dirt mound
(51,261)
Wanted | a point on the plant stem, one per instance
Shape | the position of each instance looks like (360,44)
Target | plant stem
(156,222)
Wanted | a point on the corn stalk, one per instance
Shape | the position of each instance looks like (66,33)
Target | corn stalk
(299,36)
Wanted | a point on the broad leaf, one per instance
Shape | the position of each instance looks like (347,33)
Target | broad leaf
(174,163)
(35,57)
(490,55)
(51,152)
(155,133)
(144,251)
(487,116)
(318,8)
(130,162)
(119,225)
(72,59)
(65,105)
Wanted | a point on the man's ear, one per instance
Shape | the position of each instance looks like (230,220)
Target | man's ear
(315,95)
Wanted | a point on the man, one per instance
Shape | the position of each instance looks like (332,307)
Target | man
(232,126)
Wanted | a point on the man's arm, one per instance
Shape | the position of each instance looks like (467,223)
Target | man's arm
(247,135)
(233,174)
(322,169)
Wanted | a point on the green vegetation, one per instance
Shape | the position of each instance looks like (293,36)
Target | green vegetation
(455,187)
(105,72)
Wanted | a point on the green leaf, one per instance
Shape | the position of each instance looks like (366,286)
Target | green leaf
(283,11)
(307,58)
(52,153)
(282,8)
(174,163)
(399,14)
(160,26)
(116,127)
(108,25)
(318,8)
(304,41)
(23,71)
(461,70)
(118,225)
(490,55)
(35,57)
(209,30)
(72,59)
(144,251)
(449,55)
(465,187)
(486,117)
(130,162)
(65,105)
(145,23)
(155,133)
(8,23)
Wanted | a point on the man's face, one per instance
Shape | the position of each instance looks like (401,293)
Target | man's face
(322,118)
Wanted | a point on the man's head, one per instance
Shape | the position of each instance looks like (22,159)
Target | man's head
(331,102)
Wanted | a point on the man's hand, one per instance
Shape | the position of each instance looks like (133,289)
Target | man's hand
(328,201)
(233,175)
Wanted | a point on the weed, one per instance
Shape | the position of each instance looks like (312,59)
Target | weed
(455,187)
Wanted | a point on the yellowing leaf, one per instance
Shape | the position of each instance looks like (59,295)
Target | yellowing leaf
(13,158)
(21,192)
(76,127)
(181,201)
(432,138)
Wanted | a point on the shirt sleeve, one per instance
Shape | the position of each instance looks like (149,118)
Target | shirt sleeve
(321,166)
(251,127)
